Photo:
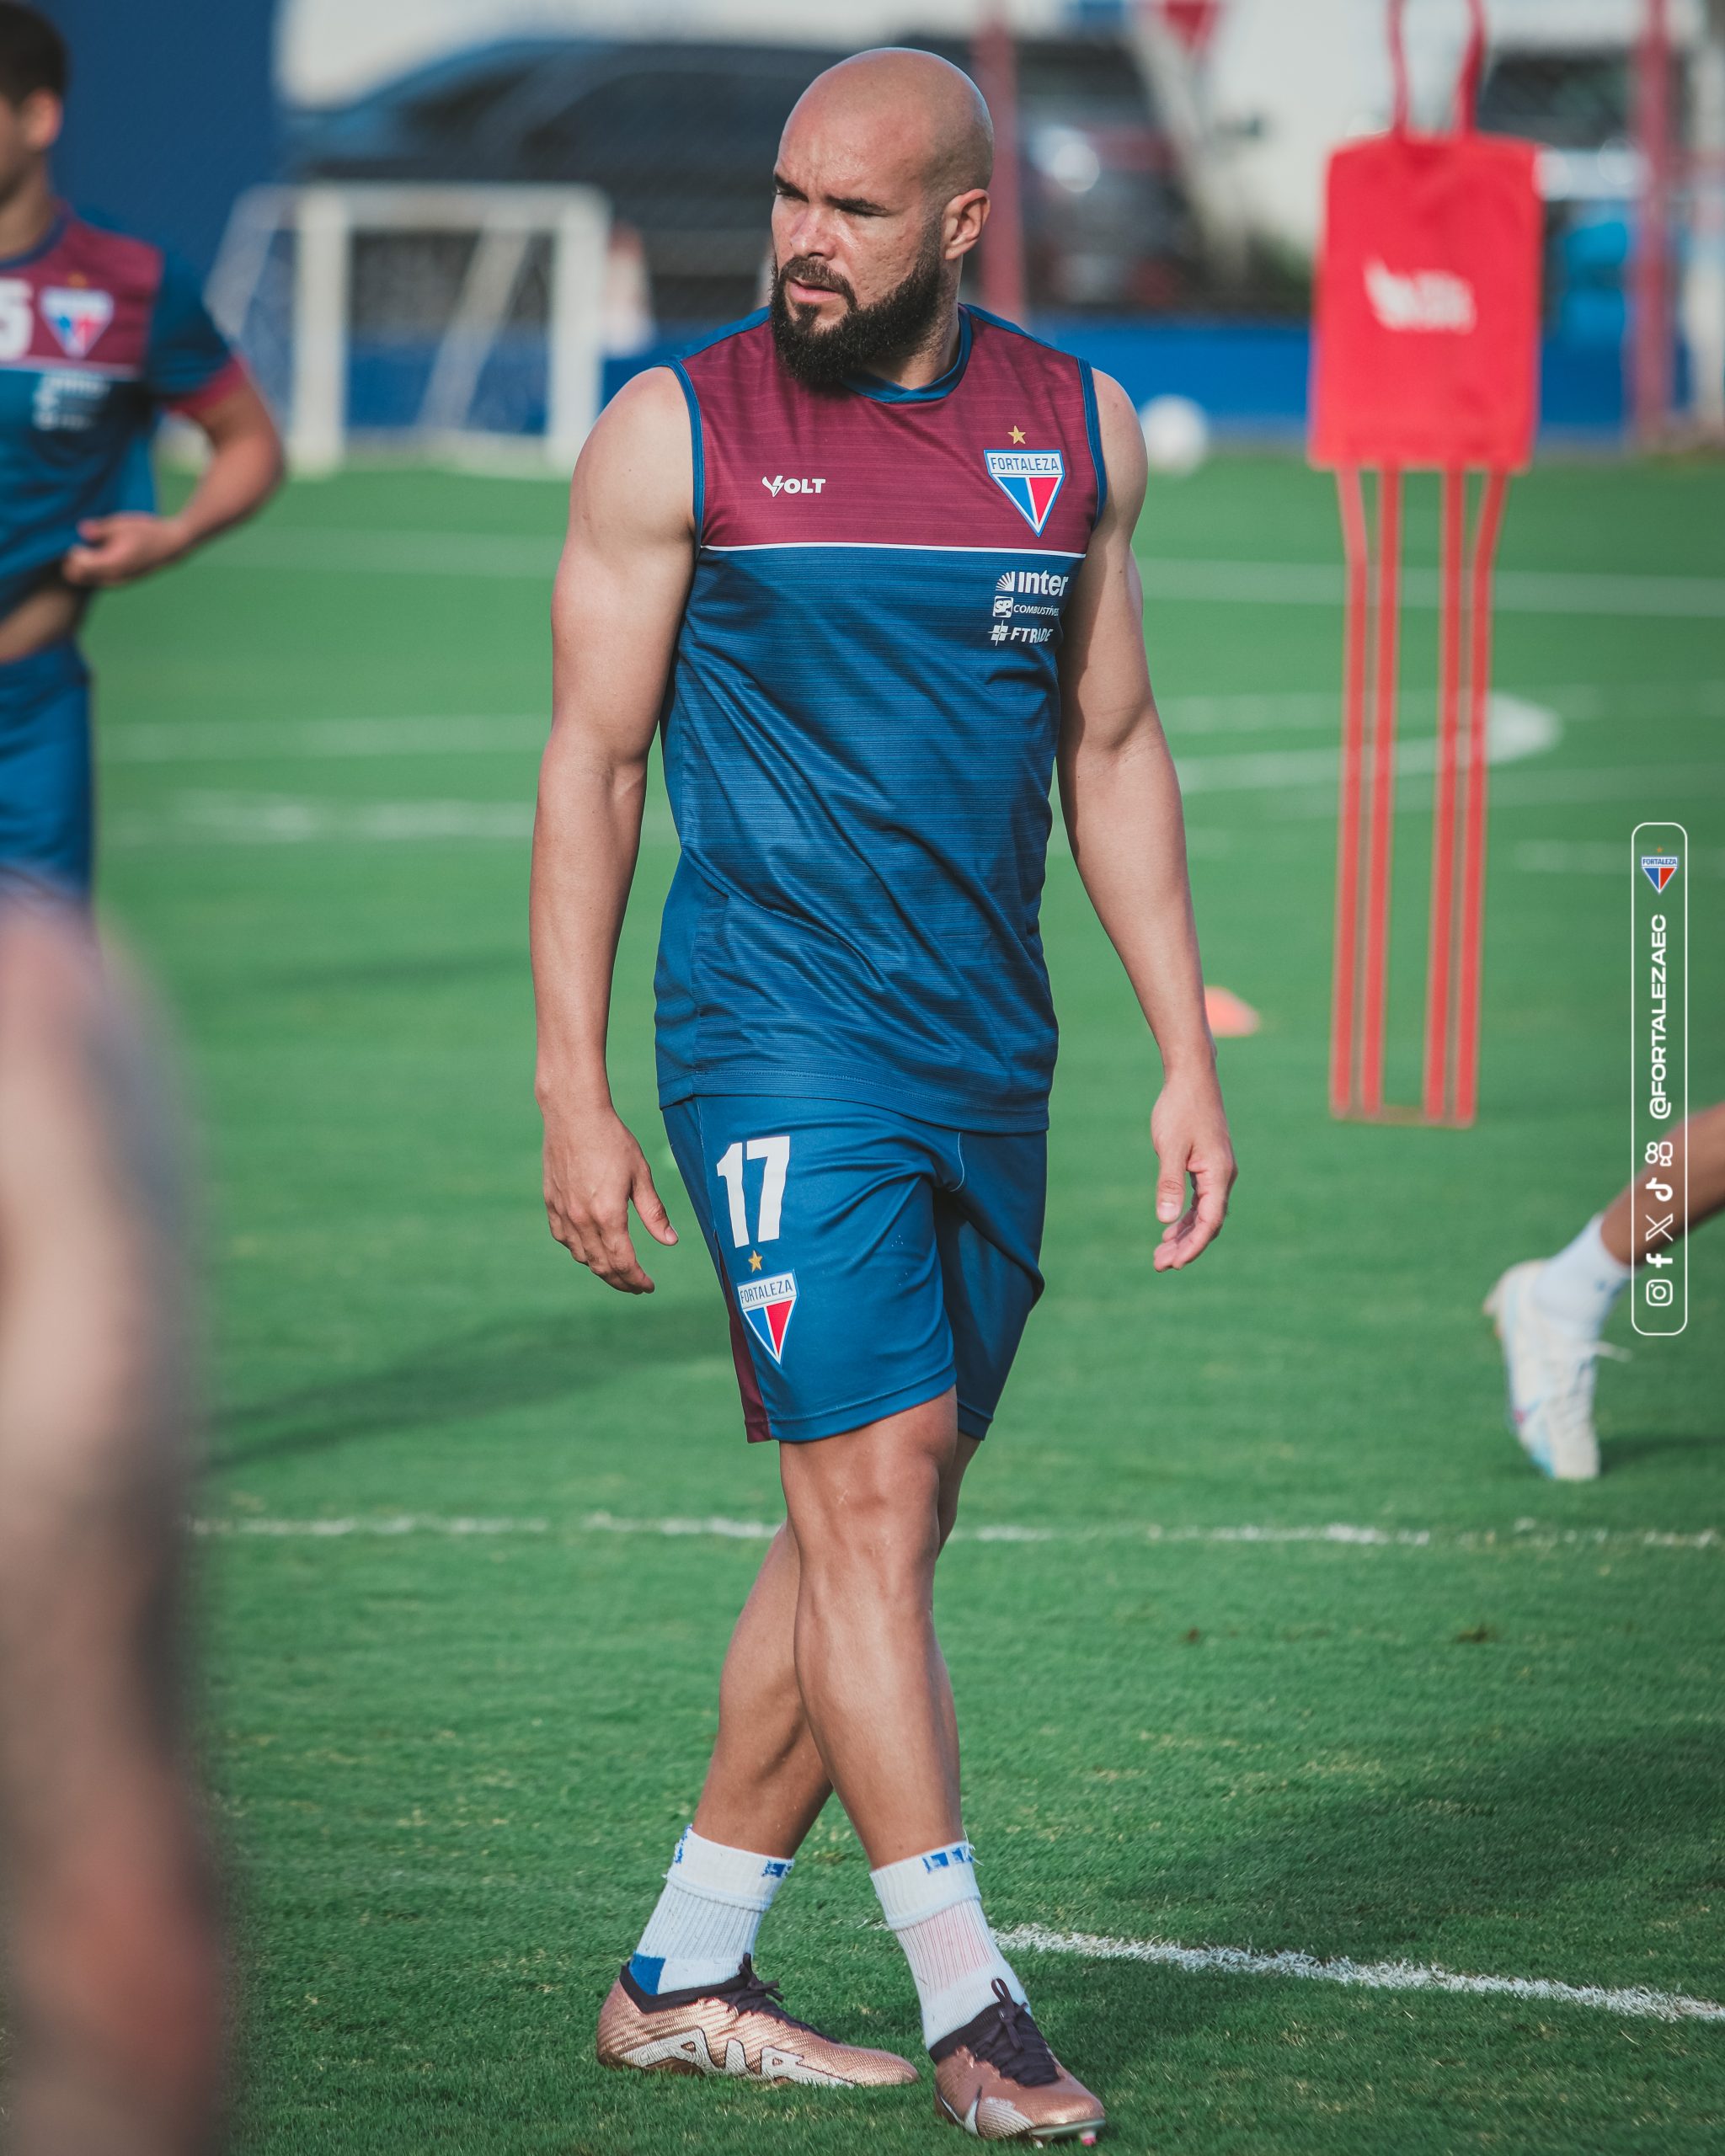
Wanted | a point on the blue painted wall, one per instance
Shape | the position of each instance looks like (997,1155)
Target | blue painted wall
(171,113)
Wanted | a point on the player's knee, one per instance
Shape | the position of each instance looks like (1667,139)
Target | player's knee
(874,1530)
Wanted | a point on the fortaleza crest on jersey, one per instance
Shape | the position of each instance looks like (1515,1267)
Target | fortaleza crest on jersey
(1030,479)
(77,314)
(767,1307)
(1658,868)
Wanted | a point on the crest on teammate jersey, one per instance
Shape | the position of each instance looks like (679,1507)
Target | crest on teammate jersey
(767,1307)
(1029,479)
(1658,868)
(77,314)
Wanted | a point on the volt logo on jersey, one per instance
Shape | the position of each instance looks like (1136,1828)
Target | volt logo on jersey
(767,1307)
(77,314)
(1029,479)
(1658,868)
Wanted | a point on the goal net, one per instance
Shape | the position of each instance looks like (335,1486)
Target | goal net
(466,321)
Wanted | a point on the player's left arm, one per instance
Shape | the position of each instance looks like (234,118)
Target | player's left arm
(189,370)
(1121,801)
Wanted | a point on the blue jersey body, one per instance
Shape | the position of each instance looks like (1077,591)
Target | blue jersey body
(861,729)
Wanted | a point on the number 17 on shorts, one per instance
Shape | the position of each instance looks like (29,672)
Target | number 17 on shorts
(767,1300)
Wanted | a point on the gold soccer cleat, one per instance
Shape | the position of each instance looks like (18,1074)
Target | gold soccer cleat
(737,2028)
(997,2078)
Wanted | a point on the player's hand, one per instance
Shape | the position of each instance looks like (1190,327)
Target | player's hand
(594,1170)
(119,549)
(1189,1130)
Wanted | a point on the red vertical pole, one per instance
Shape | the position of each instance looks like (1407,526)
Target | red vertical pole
(1345,978)
(1375,964)
(1437,979)
(1003,246)
(1473,836)
(1651,387)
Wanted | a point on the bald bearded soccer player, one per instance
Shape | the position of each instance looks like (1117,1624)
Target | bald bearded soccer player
(867,555)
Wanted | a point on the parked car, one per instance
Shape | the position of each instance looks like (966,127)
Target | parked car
(681,136)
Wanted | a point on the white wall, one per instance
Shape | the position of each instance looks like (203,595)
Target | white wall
(331,49)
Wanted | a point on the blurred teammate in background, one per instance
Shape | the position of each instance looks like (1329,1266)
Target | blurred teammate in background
(1550,1311)
(99,335)
(115,1960)
(869,554)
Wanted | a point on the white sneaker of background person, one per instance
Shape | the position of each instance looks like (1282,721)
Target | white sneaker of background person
(1549,1312)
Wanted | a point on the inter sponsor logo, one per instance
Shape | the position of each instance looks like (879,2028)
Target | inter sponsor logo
(1029,479)
(767,1307)
(778,484)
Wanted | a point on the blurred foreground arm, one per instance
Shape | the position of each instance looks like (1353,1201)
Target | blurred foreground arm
(615,614)
(1121,801)
(116,1967)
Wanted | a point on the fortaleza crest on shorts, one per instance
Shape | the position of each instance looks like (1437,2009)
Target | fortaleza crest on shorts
(1029,479)
(767,1307)
(77,314)
(1658,868)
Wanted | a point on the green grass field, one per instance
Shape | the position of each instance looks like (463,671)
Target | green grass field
(1488,1736)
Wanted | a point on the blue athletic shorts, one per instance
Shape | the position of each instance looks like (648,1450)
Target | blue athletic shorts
(869,1261)
(45,770)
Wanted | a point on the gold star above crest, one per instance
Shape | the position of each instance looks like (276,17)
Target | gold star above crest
(753,1260)
(1018,434)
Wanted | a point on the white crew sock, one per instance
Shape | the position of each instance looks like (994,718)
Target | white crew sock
(1577,1287)
(933,1903)
(708,1916)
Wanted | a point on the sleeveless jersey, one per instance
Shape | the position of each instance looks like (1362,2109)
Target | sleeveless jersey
(860,724)
(97,334)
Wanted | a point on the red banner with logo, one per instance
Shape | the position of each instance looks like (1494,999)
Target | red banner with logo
(1426,350)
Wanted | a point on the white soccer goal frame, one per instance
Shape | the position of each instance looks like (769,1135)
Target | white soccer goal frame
(326,218)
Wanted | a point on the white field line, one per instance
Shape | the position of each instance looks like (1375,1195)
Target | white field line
(292,740)
(1525,1535)
(1516,730)
(1635,2000)
(517,733)
(1595,858)
(469,554)
(1514,591)
(389,1524)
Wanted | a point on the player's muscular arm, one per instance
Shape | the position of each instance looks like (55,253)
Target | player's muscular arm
(1122,806)
(244,471)
(615,612)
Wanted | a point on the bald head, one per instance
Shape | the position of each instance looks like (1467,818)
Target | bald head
(906,115)
(880,191)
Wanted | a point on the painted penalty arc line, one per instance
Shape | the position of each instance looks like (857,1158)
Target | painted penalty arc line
(1634,2001)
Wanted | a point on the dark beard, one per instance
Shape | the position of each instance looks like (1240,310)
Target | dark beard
(862,336)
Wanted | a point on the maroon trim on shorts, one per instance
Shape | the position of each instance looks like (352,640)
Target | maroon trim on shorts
(753,1406)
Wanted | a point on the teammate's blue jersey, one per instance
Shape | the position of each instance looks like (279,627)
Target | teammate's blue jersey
(99,333)
(861,732)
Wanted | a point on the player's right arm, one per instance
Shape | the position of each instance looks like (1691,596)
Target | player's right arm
(616,610)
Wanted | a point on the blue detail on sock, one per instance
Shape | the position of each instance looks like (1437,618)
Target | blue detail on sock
(647,1969)
(777,1867)
(955,1852)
